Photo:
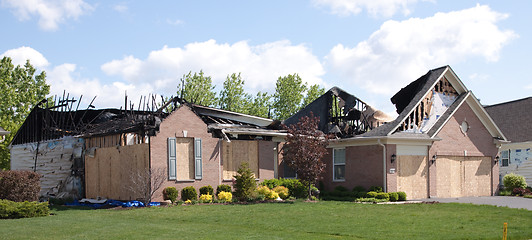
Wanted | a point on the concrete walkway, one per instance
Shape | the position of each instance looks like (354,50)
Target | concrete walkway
(501,201)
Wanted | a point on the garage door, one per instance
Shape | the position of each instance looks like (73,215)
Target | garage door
(459,176)
(412,176)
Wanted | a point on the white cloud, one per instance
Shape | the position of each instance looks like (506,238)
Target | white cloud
(399,52)
(175,22)
(20,55)
(121,7)
(385,8)
(65,78)
(260,65)
(50,12)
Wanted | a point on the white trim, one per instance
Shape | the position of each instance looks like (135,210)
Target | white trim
(411,150)
(419,101)
(364,141)
(484,117)
(335,164)
(454,111)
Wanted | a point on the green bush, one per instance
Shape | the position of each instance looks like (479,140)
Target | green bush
(383,195)
(295,187)
(402,196)
(505,192)
(340,189)
(513,180)
(373,200)
(393,196)
(10,209)
(282,191)
(375,189)
(223,188)
(371,194)
(170,193)
(206,190)
(189,193)
(19,186)
(359,189)
(245,183)
(360,194)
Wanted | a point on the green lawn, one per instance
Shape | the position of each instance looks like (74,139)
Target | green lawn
(300,220)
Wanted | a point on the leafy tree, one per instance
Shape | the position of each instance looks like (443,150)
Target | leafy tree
(232,97)
(258,105)
(288,95)
(314,92)
(197,89)
(304,149)
(20,91)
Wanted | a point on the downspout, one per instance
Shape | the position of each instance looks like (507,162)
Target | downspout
(383,164)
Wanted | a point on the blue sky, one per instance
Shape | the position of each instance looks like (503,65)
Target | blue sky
(370,48)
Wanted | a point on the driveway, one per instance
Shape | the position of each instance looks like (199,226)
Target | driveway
(501,201)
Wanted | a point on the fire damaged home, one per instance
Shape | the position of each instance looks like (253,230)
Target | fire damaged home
(114,153)
(442,144)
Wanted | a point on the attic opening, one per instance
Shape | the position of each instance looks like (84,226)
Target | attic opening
(430,109)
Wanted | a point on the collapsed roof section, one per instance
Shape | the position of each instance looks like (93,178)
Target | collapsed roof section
(48,121)
(342,114)
(425,106)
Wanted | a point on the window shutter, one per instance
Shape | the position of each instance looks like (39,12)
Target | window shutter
(172,158)
(197,158)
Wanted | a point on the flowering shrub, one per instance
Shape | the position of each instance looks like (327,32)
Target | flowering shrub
(206,190)
(188,201)
(267,193)
(225,196)
(205,198)
(282,191)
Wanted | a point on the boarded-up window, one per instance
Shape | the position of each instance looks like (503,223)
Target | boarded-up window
(237,152)
(183,162)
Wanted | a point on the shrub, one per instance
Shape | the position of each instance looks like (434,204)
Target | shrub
(170,193)
(245,183)
(340,189)
(373,200)
(383,195)
(10,209)
(359,189)
(393,196)
(225,196)
(264,190)
(371,194)
(19,186)
(402,196)
(189,193)
(513,180)
(282,191)
(360,194)
(205,198)
(521,191)
(267,193)
(375,189)
(295,187)
(505,192)
(206,190)
(223,188)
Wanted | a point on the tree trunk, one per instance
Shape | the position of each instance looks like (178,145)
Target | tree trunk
(309,191)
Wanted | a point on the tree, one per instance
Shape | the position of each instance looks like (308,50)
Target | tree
(288,95)
(20,91)
(143,183)
(258,105)
(232,97)
(314,92)
(197,89)
(304,149)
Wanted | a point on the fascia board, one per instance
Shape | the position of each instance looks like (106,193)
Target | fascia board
(450,116)
(484,117)
(419,101)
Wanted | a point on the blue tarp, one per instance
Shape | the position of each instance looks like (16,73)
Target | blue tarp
(111,202)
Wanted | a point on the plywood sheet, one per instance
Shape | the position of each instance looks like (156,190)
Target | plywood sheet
(237,152)
(185,158)
(459,176)
(412,176)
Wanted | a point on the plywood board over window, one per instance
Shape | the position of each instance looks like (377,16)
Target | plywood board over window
(185,158)
(237,152)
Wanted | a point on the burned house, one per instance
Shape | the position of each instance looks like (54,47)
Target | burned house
(442,144)
(103,153)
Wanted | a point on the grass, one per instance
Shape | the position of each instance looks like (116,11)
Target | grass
(300,220)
